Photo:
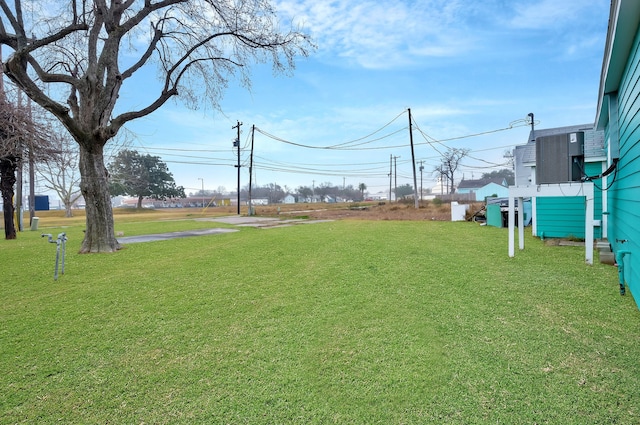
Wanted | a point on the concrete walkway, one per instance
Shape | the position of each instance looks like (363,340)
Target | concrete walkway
(240,221)
(262,222)
(172,235)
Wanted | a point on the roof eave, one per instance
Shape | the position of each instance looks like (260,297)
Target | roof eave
(624,18)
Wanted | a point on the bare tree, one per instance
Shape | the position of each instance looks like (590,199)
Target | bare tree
(77,63)
(20,139)
(449,164)
(59,170)
(10,157)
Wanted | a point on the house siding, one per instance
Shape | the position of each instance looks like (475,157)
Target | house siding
(624,195)
(492,189)
(560,217)
(563,217)
(488,189)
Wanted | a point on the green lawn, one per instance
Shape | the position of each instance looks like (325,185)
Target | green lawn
(348,322)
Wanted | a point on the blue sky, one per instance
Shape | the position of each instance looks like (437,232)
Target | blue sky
(463,67)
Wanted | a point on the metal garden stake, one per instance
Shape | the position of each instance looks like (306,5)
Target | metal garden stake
(61,243)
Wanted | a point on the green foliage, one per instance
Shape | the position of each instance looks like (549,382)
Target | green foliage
(142,176)
(342,322)
(505,173)
(362,187)
(404,190)
(437,202)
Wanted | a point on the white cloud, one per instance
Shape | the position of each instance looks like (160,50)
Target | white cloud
(379,35)
(392,34)
(548,13)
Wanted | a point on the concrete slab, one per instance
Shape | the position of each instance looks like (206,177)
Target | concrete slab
(239,221)
(172,235)
(262,222)
(242,220)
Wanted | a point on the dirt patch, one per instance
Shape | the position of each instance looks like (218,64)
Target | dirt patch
(363,211)
(563,242)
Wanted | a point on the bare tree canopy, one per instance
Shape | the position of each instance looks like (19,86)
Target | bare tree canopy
(12,121)
(75,58)
(59,169)
(21,139)
(449,164)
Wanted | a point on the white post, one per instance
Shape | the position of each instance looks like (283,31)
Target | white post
(512,219)
(534,216)
(520,222)
(565,189)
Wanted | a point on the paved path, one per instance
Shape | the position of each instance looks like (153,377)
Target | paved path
(240,221)
(172,235)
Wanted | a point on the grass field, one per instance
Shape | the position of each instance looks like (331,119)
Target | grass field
(349,322)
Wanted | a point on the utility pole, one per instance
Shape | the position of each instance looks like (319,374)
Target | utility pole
(253,132)
(421,169)
(395,176)
(413,163)
(237,144)
(390,174)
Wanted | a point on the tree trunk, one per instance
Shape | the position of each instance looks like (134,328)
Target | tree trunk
(67,210)
(99,234)
(7,180)
(139,202)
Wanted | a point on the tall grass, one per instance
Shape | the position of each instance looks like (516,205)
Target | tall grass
(340,322)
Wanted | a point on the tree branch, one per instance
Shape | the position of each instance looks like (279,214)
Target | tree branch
(145,56)
(121,119)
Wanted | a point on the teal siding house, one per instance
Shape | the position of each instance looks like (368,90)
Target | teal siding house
(484,188)
(618,115)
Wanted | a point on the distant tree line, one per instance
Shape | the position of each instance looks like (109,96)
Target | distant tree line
(276,193)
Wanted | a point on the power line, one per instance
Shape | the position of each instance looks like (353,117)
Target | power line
(349,169)
(333,147)
(153,148)
(371,134)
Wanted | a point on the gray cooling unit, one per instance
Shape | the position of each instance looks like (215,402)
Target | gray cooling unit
(560,158)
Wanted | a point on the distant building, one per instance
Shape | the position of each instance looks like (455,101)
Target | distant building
(484,188)
(441,187)
(378,196)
